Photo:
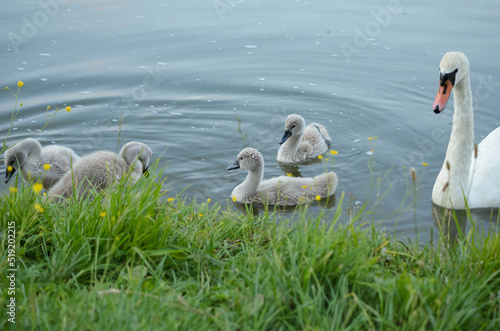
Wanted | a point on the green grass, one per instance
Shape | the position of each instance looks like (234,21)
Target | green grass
(133,260)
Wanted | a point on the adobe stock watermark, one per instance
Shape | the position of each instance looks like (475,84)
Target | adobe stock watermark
(30,28)
(153,78)
(11,272)
(223,6)
(372,29)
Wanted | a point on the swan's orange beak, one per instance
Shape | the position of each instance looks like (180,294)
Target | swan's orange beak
(442,96)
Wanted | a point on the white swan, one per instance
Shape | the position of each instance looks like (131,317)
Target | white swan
(283,190)
(101,169)
(463,174)
(29,157)
(301,142)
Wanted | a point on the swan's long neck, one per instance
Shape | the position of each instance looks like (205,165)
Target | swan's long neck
(460,147)
(291,145)
(251,184)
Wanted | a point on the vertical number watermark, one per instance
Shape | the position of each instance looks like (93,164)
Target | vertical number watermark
(11,272)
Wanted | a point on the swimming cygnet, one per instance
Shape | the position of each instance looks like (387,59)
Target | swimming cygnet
(283,190)
(101,169)
(301,142)
(31,159)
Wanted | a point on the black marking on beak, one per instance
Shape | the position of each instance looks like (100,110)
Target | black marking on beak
(235,165)
(287,135)
(9,174)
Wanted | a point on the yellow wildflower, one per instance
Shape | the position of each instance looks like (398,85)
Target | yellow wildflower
(209,200)
(370,138)
(38,208)
(425,164)
(200,215)
(318,198)
(46,166)
(304,186)
(289,174)
(320,157)
(102,213)
(333,152)
(68,109)
(20,84)
(37,187)
(9,168)
(6,88)
(170,199)
(234,198)
(13,189)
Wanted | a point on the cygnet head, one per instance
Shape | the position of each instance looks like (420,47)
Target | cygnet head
(248,159)
(135,150)
(16,156)
(454,66)
(294,126)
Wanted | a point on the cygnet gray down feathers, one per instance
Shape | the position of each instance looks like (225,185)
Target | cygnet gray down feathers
(101,169)
(29,157)
(283,190)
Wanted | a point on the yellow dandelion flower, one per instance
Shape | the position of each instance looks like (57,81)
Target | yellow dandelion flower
(37,187)
(6,88)
(209,200)
(20,84)
(333,152)
(102,213)
(370,138)
(9,168)
(425,164)
(46,166)
(200,215)
(289,174)
(234,198)
(68,109)
(371,150)
(13,189)
(318,198)
(170,199)
(304,186)
(44,194)
(38,208)
(320,157)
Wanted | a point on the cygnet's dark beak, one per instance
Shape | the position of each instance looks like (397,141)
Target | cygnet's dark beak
(8,174)
(287,135)
(235,165)
(145,172)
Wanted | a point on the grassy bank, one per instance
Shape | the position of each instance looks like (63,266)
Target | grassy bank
(136,259)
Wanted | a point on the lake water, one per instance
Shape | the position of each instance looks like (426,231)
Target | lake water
(199,80)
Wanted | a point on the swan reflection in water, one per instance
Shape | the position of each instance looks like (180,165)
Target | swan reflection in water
(256,209)
(453,223)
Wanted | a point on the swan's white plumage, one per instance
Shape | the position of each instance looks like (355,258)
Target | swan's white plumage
(301,142)
(102,169)
(462,174)
(283,190)
(30,157)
